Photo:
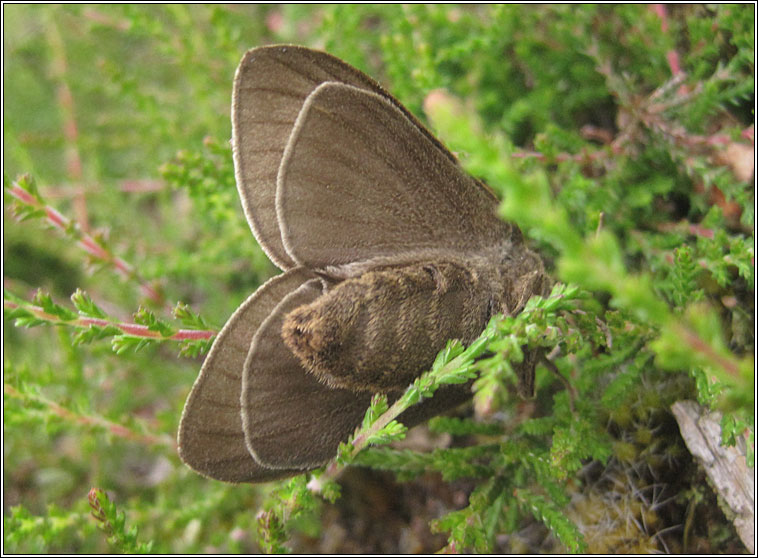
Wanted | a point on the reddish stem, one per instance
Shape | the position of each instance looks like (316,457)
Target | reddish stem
(135,330)
(87,243)
(672,56)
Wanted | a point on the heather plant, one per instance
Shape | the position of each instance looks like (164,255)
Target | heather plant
(619,138)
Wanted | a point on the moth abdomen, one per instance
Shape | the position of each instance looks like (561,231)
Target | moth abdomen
(380,330)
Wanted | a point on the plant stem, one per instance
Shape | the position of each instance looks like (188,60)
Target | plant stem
(134,330)
(85,241)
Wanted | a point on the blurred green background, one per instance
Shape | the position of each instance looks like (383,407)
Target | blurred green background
(121,115)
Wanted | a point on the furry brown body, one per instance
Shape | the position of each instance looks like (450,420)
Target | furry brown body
(378,331)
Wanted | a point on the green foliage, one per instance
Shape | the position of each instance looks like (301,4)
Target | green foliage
(619,138)
(551,515)
(39,533)
(86,306)
(451,463)
(461,427)
(92,324)
(113,524)
(289,501)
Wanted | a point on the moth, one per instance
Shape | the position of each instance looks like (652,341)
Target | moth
(388,250)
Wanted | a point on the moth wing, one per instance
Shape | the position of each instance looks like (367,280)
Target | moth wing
(360,180)
(290,419)
(270,87)
(211,440)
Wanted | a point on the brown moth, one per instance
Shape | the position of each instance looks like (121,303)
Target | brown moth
(388,249)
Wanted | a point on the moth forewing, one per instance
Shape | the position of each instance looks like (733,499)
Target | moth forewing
(270,87)
(359,180)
